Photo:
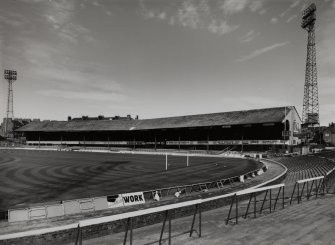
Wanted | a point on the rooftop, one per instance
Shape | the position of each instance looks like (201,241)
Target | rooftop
(267,115)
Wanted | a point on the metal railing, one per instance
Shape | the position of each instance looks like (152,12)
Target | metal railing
(253,198)
(317,183)
(128,217)
(329,181)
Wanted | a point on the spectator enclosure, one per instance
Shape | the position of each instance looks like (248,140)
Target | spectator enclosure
(260,129)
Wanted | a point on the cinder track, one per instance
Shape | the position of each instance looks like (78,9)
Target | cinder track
(28,177)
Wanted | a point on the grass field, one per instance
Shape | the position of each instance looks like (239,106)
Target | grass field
(28,177)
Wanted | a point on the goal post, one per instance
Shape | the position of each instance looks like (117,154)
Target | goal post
(180,160)
(187,160)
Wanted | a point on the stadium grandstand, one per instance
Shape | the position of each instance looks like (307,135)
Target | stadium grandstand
(256,130)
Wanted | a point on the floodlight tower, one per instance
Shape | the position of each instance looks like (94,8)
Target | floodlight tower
(310,112)
(10,76)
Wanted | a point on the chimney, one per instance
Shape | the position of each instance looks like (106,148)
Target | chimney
(69,118)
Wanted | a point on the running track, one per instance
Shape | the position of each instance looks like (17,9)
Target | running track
(28,177)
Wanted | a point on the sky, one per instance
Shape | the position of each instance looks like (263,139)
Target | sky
(158,58)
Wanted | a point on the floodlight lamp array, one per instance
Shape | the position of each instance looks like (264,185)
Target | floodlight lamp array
(310,20)
(308,11)
(10,75)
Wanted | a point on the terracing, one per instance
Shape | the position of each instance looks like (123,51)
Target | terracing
(303,167)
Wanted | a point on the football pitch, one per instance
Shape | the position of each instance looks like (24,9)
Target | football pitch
(30,177)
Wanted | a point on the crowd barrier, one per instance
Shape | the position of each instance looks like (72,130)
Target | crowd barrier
(253,198)
(329,181)
(316,182)
(130,215)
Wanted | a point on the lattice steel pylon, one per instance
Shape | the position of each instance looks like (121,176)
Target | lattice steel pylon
(10,76)
(310,112)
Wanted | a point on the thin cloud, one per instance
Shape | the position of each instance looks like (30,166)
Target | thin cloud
(259,52)
(251,35)
(274,20)
(78,85)
(291,18)
(294,4)
(221,28)
(230,7)
(96,4)
(82,95)
(326,99)
(66,78)
(257,5)
(326,59)
(262,11)
(13,19)
(332,3)
(190,14)
(32,1)
(162,16)
(250,102)
(72,79)
(60,14)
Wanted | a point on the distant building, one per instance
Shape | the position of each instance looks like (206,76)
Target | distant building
(100,117)
(329,135)
(13,125)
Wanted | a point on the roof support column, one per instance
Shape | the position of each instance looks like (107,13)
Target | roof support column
(179,142)
(207,141)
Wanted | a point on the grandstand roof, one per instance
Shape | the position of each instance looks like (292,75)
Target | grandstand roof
(268,115)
